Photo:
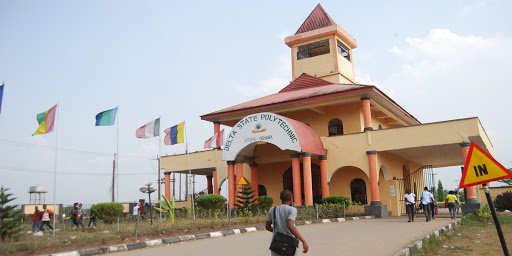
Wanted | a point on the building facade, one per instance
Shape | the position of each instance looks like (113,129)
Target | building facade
(325,135)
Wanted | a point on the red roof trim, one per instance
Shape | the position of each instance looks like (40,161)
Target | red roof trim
(304,81)
(318,18)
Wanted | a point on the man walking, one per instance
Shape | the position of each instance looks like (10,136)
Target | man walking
(410,201)
(46,217)
(426,198)
(284,218)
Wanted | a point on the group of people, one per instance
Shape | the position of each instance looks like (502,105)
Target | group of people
(42,219)
(77,214)
(428,204)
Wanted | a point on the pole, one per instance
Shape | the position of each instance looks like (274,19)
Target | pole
(55,170)
(117,155)
(496,222)
(114,178)
(150,210)
(190,173)
(159,181)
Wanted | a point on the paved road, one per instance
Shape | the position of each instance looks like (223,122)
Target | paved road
(360,237)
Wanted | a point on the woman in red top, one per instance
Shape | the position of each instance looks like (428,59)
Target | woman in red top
(36,219)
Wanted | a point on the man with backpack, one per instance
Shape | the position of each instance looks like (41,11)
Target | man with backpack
(426,199)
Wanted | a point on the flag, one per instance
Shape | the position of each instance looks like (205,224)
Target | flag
(1,95)
(175,134)
(106,118)
(215,141)
(46,121)
(149,130)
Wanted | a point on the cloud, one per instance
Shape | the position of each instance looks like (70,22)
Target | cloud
(275,82)
(474,7)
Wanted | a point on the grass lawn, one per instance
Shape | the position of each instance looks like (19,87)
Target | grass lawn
(67,239)
(473,237)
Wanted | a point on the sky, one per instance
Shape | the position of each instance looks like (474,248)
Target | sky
(177,60)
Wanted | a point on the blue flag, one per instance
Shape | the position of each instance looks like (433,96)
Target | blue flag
(1,95)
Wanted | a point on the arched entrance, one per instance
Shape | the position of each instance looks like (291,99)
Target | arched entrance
(315,175)
(358,191)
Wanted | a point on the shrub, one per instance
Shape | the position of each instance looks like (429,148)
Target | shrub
(11,218)
(484,213)
(211,202)
(336,200)
(108,212)
(504,201)
(264,203)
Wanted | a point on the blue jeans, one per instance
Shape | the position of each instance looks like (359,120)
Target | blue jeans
(410,211)
(35,225)
(427,210)
(452,209)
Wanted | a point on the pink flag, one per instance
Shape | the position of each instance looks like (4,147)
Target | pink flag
(215,141)
(149,130)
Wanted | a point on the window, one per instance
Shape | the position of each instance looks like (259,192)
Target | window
(335,127)
(358,191)
(313,49)
(343,50)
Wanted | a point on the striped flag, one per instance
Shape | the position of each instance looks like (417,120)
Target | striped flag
(149,130)
(215,141)
(175,134)
(46,121)
(106,118)
(1,95)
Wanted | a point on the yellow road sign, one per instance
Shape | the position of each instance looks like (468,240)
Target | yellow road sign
(481,167)
(242,181)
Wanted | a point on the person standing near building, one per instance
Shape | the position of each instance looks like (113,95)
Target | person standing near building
(426,197)
(452,203)
(285,215)
(36,219)
(135,211)
(79,215)
(410,202)
(46,216)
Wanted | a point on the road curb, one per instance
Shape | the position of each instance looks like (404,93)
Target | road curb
(418,244)
(184,238)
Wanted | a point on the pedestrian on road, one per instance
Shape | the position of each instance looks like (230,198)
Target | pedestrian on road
(285,215)
(74,214)
(36,219)
(452,203)
(433,206)
(135,211)
(410,202)
(46,217)
(426,198)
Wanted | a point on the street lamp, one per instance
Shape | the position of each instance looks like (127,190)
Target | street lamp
(148,189)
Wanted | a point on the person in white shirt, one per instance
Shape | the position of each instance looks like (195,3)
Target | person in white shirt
(426,198)
(410,201)
(135,212)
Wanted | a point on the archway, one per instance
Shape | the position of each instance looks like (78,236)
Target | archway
(340,182)
(358,191)
(315,174)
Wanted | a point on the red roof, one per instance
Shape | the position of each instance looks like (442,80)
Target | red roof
(305,86)
(318,18)
(305,81)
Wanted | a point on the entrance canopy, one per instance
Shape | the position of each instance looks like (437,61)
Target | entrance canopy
(283,132)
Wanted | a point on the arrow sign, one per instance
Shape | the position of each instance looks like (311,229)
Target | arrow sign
(481,167)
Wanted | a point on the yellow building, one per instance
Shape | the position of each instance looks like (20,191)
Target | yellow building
(325,135)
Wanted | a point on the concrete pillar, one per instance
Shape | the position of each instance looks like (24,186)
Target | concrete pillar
(374,177)
(323,176)
(209,182)
(216,129)
(239,169)
(254,178)
(297,191)
(367,113)
(308,179)
(167,176)
(231,184)
(472,203)
(215,183)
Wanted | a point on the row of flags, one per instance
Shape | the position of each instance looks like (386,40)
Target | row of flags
(173,135)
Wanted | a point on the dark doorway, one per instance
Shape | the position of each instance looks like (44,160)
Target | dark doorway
(358,191)
(315,173)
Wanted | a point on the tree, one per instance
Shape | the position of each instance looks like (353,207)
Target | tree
(11,218)
(245,200)
(441,194)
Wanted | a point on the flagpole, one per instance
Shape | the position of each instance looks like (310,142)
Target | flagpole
(159,158)
(189,171)
(55,168)
(117,155)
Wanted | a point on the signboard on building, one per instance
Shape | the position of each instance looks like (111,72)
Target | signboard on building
(266,127)
(481,167)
